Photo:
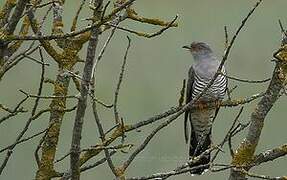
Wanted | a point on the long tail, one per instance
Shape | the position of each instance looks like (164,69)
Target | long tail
(196,148)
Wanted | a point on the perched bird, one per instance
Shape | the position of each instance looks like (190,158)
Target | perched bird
(200,120)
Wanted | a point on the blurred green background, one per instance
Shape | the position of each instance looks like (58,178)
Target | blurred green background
(153,79)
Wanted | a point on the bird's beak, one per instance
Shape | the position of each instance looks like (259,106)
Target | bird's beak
(186,47)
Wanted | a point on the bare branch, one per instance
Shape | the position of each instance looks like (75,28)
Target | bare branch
(75,20)
(116,113)
(260,176)
(67,175)
(134,16)
(104,48)
(184,168)
(74,33)
(246,80)
(13,112)
(270,155)
(182,92)
(28,123)
(24,140)
(147,35)
(244,154)
(47,97)
(283,31)
(226,37)
(228,134)
(15,18)
(82,103)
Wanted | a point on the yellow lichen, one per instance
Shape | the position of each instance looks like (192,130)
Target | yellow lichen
(120,173)
(244,154)
(284,148)
(8,5)
(154,21)
(93,152)
(283,53)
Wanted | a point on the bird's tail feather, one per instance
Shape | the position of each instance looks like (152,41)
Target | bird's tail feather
(195,149)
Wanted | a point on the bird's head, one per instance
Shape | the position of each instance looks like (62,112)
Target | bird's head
(199,49)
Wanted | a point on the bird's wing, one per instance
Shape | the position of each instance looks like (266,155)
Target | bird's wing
(188,99)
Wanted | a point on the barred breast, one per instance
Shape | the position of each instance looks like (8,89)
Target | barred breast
(215,92)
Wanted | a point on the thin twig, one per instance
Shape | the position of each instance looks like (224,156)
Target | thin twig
(46,4)
(282,28)
(261,176)
(82,103)
(104,48)
(226,37)
(224,167)
(105,9)
(229,91)
(143,34)
(116,113)
(230,146)
(29,121)
(75,20)
(67,175)
(36,152)
(15,111)
(46,97)
(246,80)
(102,135)
(101,161)
(75,33)
(25,139)
(49,110)
(121,146)
(166,175)
(228,134)
(179,170)
(182,92)
(34,60)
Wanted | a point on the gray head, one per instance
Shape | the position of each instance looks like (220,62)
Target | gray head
(199,50)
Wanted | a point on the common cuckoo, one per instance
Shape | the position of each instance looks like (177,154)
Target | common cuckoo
(200,120)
